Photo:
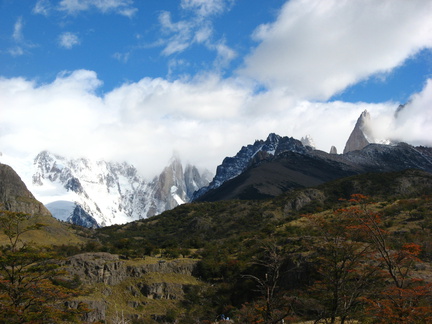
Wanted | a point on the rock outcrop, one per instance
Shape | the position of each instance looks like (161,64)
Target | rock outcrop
(360,136)
(15,196)
(139,282)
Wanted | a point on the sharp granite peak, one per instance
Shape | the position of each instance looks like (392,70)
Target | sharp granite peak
(271,167)
(361,135)
(100,193)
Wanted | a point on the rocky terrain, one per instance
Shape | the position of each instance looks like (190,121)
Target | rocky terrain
(15,196)
(132,286)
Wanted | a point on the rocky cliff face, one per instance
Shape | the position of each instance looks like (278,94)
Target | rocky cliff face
(361,135)
(140,283)
(15,196)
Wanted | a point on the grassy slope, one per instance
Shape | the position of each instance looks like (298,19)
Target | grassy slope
(53,233)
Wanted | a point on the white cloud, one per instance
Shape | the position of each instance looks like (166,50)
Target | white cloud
(180,34)
(17,34)
(317,48)
(205,8)
(205,119)
(122,7)
(413,124)
(21,44)
(16,51)
(68,40)
(198,30)
(122,57)
(225,54)
(42,7)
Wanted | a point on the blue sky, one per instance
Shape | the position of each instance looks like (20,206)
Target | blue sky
(40,40)
(118,79)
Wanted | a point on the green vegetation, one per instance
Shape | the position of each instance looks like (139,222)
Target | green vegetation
(307,255)
(264,260)
(32,289)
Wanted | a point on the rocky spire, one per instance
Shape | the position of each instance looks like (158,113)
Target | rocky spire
(360,136)
(333,150)
(308,141)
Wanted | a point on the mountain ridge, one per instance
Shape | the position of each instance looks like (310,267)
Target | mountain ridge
(272,175)
(99,193)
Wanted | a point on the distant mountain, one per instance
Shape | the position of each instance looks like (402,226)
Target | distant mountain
(99,193)
(264,173)
(231,167)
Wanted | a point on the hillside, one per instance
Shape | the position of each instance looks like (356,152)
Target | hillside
(207,221)
(260,260)
(233,241)
(14,196)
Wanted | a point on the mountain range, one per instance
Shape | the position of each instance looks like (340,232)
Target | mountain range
(100,193)
(279,164)
(195,261)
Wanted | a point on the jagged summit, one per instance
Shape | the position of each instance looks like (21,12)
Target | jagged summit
(231,167)
(361,135)
(273,175)
(100,193)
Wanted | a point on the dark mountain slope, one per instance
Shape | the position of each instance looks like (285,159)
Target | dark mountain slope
(274,175)
(381,186)
(228,237)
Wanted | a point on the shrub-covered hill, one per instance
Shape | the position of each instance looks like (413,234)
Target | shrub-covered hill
(358,248)
(300,256)
(196,224)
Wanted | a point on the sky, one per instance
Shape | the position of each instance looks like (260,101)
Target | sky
(139,81)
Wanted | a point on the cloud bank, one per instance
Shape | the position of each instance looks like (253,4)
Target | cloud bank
(205,119)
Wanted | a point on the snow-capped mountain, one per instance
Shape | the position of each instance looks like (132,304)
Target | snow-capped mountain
(233,166)
(100,193)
